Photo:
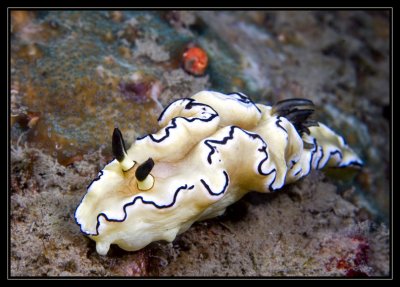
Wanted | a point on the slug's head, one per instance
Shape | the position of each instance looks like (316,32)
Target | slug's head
(115,185)
(144,180)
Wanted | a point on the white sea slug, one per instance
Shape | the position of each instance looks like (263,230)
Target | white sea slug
(211,150)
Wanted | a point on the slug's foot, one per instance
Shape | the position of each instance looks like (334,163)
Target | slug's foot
(102,247)
(298,112)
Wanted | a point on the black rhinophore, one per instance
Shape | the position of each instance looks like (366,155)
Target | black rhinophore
(118,145)
(144,169)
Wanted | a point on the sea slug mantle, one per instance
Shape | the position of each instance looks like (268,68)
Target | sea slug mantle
(211,150)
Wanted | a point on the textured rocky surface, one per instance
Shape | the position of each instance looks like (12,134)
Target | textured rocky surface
(77,74)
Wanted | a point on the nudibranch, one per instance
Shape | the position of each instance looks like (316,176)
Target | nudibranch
(210,151)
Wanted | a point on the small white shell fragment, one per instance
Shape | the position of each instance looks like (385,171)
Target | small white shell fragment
(211,150)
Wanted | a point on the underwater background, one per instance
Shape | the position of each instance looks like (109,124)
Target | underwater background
(75,75)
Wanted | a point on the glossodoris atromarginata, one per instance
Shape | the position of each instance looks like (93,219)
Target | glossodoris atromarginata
(211,150)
